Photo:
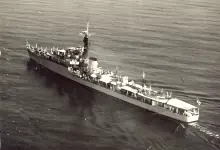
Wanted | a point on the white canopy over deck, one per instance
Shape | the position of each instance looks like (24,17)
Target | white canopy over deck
(180,104)
(172,102)
(113,83)
(93,75)
(106,78)
(138,86)
(153,98)
(127,88)
(118,82)
(61,50)
(71,48)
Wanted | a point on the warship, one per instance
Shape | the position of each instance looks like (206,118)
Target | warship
(75,64)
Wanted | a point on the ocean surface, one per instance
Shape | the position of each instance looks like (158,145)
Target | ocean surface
(175,42)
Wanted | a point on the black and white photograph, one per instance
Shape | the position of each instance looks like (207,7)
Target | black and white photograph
(109,75)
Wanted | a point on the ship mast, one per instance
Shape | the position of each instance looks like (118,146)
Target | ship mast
(86,34)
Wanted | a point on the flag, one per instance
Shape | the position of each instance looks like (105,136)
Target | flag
(198,102)
(143,75)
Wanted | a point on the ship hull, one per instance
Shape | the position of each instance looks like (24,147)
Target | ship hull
(63,71)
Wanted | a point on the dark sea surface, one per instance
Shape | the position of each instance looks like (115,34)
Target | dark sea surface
(168,39)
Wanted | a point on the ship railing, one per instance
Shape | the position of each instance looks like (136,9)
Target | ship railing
(170,108)
(193,111)
(154,101)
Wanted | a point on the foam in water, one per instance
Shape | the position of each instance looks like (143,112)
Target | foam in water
(205,130)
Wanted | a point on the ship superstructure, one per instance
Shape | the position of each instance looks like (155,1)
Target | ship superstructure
(74,63)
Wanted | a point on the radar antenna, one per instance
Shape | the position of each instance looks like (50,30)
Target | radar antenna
(86,32)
